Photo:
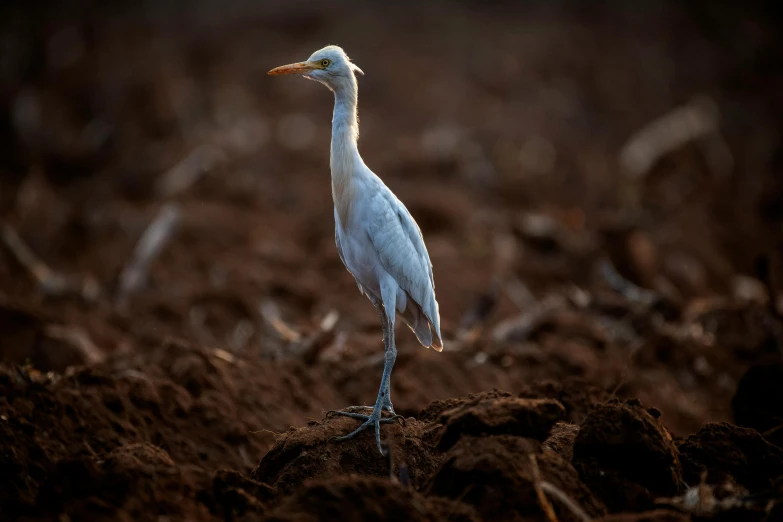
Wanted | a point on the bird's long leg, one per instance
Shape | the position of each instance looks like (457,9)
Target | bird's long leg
(384,395)
(375,419)
(387,404)
(388,344)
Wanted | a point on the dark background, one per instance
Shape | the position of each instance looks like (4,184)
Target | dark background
(501,125)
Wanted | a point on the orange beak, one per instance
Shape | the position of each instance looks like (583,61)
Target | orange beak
(294,68)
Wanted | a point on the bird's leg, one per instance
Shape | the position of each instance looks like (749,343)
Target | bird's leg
(387,404)
(375,419)
(388,345)
(384,395)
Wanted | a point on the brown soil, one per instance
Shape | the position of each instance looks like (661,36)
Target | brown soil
(361,498)
(730,453)
(613,341)
(307,453)
(626,456)
(495,475)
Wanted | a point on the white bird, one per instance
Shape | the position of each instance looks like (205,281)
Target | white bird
(377,239)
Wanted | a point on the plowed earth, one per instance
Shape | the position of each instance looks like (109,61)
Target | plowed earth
(613,343)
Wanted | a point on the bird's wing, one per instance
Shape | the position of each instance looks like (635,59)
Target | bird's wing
(337,237)
(417,239)
(398,241)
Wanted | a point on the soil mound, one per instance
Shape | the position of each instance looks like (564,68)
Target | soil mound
(561,440)
(731,453)
(577,395)
(356,499)
(133,482)
(495,474)
(309,453)
(532,418)
(236,497)
(626,456)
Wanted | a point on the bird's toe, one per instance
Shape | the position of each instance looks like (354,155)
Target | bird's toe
(375,420)
(347,409)
(378,436)
(355,408)
(369,422)
(359,416)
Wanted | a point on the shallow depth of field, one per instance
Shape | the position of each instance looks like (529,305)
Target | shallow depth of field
(601,193)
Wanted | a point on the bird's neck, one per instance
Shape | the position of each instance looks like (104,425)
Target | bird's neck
(344,154)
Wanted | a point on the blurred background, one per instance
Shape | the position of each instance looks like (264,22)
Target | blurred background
(599,187)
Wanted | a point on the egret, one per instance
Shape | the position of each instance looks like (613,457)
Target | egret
(377,239)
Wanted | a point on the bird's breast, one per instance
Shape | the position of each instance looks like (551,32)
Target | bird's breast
(343,197)
(343,182)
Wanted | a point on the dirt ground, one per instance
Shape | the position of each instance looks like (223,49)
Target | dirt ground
(600,192)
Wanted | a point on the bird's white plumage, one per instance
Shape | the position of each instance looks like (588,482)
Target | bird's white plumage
(382,245)
(402,254)
(378,240)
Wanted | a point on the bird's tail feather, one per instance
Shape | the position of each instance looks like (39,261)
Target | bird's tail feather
(437,343)
(418,322)
(423,333)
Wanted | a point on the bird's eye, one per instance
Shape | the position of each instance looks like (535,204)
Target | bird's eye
(325,62)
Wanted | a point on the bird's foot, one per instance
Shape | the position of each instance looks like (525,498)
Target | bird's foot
(387,407)
(349,409)
(374,419)
(361,416)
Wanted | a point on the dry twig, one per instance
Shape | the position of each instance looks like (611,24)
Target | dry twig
(311,347)
(271,314)
(701,500)
(245,457)
(695,121)
(519,294)
(519,327)
(49,281)
(155,237)
(224,355)
(188,171)
(626,288)
(575,508)
(549,511)
(476,316)
(79,339)
(241,335)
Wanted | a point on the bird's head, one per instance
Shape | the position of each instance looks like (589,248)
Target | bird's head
(330,66)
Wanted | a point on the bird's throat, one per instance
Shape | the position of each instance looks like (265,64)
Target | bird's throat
(345,157)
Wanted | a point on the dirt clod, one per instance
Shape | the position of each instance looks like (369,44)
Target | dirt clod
(532,418)
(626,456)
(307,453)
(561,440)
(576,394)
(731,453)
(435,409)
(234,496)
(494,474)
(356,499)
